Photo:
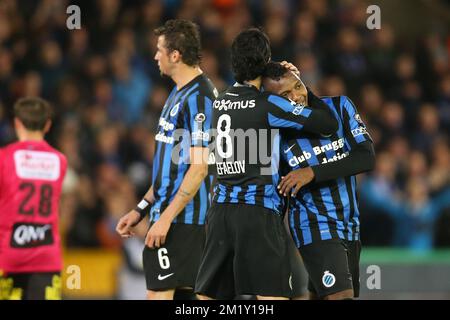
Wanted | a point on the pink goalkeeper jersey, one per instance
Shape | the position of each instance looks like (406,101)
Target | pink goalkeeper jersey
(31,176)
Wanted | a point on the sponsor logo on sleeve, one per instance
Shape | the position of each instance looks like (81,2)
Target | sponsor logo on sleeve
(200,135)
(359,131)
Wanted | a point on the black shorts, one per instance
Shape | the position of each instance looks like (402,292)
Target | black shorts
(175,264)
(245,253)
(333,266)
(30,286)
(299,280)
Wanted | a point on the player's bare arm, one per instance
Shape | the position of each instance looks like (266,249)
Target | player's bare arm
(126,224)
(197,171)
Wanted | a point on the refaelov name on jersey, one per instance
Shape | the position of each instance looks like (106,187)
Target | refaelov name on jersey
(235,167)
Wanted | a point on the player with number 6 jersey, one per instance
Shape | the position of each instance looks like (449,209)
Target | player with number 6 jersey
(178,198)
(31,177)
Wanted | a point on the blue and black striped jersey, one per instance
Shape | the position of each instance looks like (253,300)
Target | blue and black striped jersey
(185,121)
(247,144)
(327,209)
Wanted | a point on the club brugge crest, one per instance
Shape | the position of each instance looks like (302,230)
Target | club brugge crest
(328,279)
(174,110)
(200,117)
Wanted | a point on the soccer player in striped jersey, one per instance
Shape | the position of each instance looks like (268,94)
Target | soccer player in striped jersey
(245,251)
(324,214)
(179,195)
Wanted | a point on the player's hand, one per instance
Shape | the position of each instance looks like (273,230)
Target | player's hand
(156,236)
(290,67)
(295,179)
(125,225)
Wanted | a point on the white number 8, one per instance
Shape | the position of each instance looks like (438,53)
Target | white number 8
(163,258)
(224,134)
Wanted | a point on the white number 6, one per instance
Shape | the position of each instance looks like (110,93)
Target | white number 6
(163,258)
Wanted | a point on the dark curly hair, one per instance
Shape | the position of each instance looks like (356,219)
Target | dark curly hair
(183,36)
(274,70)
(250,53)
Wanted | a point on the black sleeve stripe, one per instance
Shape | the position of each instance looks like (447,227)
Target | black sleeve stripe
(200,109)
(347,129)
(187,115)
(337,105)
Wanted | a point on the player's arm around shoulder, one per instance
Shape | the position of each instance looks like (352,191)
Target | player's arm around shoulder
(283,113)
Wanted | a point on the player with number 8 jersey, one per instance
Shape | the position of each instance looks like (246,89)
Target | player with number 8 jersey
(31,177)
(245,251)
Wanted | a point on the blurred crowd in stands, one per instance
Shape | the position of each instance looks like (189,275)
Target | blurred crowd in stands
(108,93)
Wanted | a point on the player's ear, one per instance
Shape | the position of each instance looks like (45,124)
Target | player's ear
(18,124)
(47,126)
(175,56)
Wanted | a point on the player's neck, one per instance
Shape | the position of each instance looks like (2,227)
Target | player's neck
(185,74)
(255,82)
(30,136)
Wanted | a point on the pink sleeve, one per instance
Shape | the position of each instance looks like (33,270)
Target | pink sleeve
(1,168)
(63,166)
